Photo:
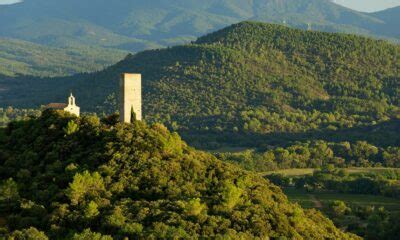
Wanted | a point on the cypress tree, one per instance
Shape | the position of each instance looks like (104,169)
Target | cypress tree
(133,115)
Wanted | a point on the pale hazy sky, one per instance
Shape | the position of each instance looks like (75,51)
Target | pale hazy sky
(361,5)
(369,5)
(8,1)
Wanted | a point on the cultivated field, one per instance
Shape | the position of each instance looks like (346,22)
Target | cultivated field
(322,199)
(308,171)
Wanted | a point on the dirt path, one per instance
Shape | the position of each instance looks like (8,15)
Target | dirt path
(317,203)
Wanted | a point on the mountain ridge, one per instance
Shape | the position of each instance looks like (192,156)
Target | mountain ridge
(129,19)
(136,25)
(391,16)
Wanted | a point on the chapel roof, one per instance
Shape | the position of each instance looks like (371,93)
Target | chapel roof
(56,106)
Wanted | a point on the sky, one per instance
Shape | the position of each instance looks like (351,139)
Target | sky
(360,5)
(369,5)
(8,1)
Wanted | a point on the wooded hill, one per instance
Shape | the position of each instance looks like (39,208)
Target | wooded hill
(250,78)
(137,25)
(64,177)
(19,57)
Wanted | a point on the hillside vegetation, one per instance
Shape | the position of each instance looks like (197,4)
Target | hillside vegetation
(316,154)
(350,198)
(10,114)
(252,80)
(25,58)
(79,178)
(137,25)
(126,24)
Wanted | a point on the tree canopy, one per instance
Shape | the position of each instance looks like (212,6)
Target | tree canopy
(82,178)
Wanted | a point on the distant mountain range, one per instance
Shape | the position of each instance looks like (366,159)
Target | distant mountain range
(137,25)
(391,17)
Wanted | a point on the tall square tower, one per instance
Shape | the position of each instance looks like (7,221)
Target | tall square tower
(131,96)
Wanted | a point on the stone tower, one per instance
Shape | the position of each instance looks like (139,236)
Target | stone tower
(131,96)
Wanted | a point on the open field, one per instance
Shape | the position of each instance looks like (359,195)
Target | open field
(308,171)
(322,199)
(292,172)
(228,149)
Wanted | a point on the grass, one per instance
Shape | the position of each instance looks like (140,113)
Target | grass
(293,172)
(227,149)
(371,170)
(296,172)
(300,197)
(310,199)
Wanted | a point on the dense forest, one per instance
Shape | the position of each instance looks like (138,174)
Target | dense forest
(87,32)
(385,182)
(300,154)
(315,154)
(10,114)
(252,83)
(368,221)
(134,24)
(64,177)
(24,58)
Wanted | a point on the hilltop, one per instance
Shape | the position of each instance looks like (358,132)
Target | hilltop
(74,178)
(120,23)
(138,25)
(250,78)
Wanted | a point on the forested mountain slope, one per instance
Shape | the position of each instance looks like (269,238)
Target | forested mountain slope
(251,78)
(121,22)
(392,18)
(138,25)
(77,178)
(25,58)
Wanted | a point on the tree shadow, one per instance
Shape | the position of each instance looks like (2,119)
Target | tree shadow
(383,134)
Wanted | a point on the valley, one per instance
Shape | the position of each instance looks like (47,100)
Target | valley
(364,201)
